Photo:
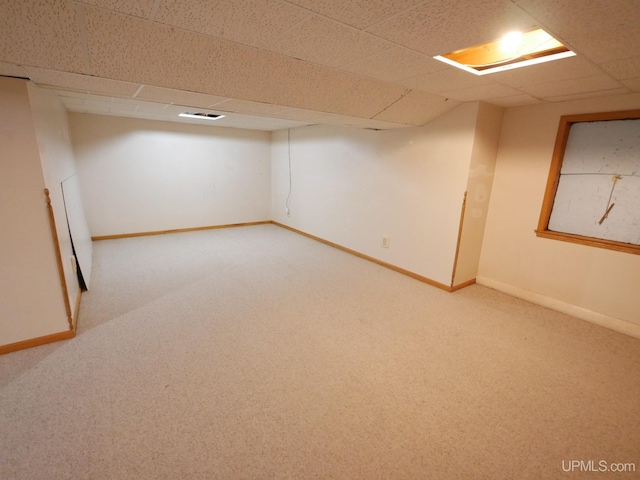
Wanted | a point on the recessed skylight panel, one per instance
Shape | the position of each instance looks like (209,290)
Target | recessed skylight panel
(201,116)
(514,50)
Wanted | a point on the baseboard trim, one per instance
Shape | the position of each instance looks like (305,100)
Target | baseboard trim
(390,266)
(176,230)
(462,285)
(55,337)
(612,323)
(36,342)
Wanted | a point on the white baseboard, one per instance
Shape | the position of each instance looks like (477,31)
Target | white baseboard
(606,321)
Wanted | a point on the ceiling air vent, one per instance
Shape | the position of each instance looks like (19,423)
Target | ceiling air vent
(201,116)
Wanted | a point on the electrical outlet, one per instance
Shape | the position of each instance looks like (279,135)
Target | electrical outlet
(385,241)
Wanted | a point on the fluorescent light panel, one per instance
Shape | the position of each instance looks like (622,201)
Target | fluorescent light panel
(514,50)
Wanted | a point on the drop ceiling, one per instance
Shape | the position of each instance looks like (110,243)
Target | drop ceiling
(272,64)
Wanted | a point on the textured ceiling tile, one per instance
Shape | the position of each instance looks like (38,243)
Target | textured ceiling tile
(41,33)
(568,17)
(563,69)
(395,64)
(78,98)
(66,100)
(153,54)
(608,46)
(368,98)
(169,113)
(11,70)
(180,97)
(372,124)
(416,108)
(623,69)
(443,80)
(125,47)
(327,42)
(571,87)
(251,22)
(81,83)
(632,84)
(483,92)
(138,8)
(580,96)
(313,117)
(308,115)
(441,26)
(155,108)
(357,13)
(284,81)
(244,106)
(514,101)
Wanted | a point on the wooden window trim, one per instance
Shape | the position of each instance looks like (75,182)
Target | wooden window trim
(564,127)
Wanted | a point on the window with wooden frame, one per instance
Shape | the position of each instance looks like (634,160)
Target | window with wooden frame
(593,190)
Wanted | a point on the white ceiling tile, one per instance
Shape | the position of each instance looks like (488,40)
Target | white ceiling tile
(623,69)
(200,53)
(368,98)
(251,22)
(127,47)
(244,106)
(12,70)
(416,108)
(579,96)
(81,83)
(138,8)
(395,64)
(568,17)
(448,79)
(314,117)
(41,33)
(67,101)
(311,116)
(327,42)
(608,46)
(360,14)
(571,87)
(438,27)
(101,105)
(372,124)
(122,47)
(180,97)
(482,92)
(556,70)
(632,84)
(284,81)
(514,101)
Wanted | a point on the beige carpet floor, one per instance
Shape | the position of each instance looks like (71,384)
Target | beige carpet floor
(257,353)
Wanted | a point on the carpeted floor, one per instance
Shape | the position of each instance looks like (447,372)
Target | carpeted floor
(257,353)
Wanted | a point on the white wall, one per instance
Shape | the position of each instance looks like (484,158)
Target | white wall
(145,176)
(58,164)
(592,283)
(31,301)
(481,170)
(352,186)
